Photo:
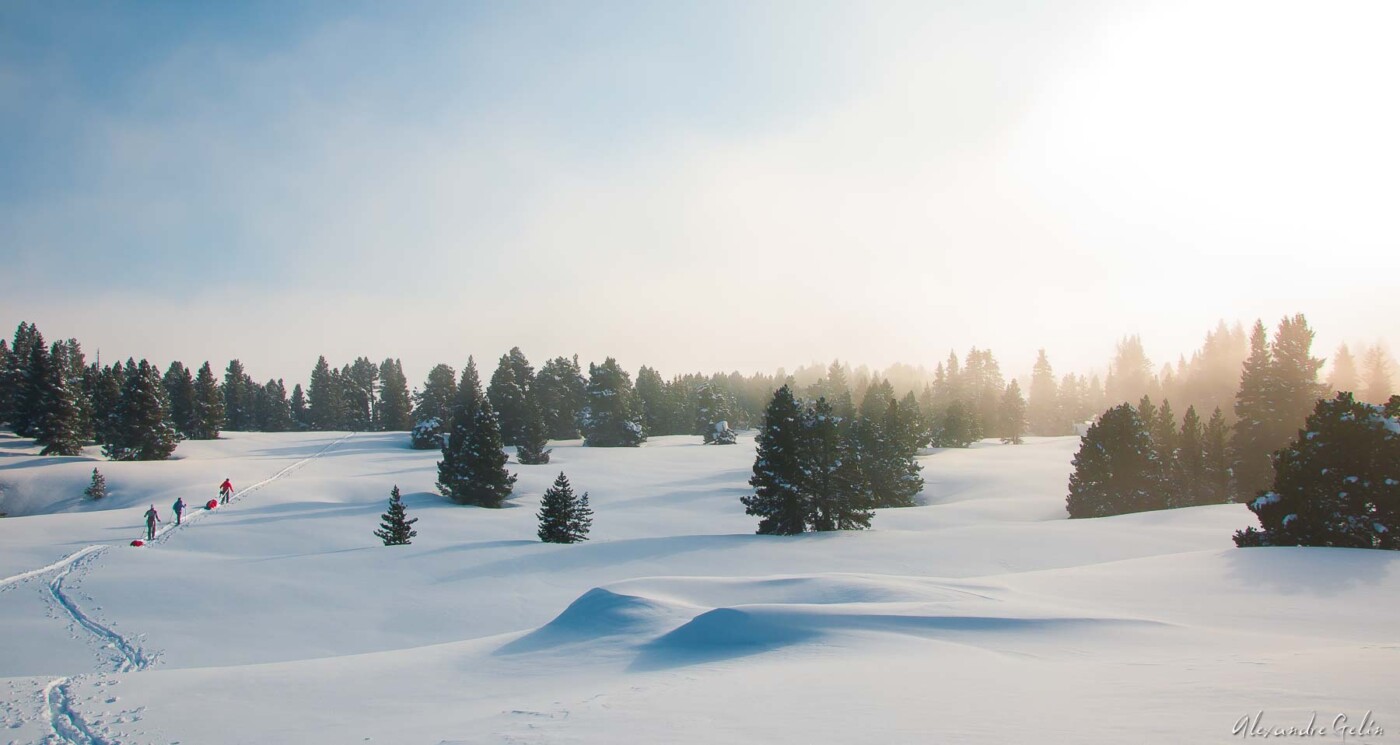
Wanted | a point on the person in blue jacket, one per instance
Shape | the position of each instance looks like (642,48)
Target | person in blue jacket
(179,508)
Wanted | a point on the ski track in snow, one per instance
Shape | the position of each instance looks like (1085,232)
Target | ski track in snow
(67,725)
(129,657)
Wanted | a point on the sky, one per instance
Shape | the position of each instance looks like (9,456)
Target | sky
(694,186)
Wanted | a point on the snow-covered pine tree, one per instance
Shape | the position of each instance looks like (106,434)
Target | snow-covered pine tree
(395,529)
(611,417)
(563,517)
(97,488)
(507,395)
(56,425)
(472,469)
(652,397)
(432,413)
(1013,414)
(325,408)
(208,416)
(393,413)
(712,416)
(1116,469)
(1337,484)
(561,390)
(531,449)
(777,470)
(141,423)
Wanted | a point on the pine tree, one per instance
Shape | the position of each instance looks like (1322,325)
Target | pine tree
(654,399)
(777,469)
(1252,441)
(297,404)
(239,414)
(531,449)
(1343,377)
(395,529)
(1378,385)
(325,405)
(274,410)
(104,388)
(141,423)
(883,454)
(1045,414)
(1131,376)
(472,469)
(561,391)
(507,394)
(564,518)
(835,474)
(97,489)
(1116,469)
(179,386)
(394,410)
(611,417)
(359,384)
(1013,414)
(1189,465)
(432,414)
(29,404)
(1335,484)
(712,417)
(55,422)
(1215,487)
(9,375)
(208,415)
(957,428)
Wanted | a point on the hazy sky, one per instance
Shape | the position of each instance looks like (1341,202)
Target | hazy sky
(696,186)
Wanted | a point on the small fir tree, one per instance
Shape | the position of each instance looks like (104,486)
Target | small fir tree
(395,529)
(97,489)
(564,518)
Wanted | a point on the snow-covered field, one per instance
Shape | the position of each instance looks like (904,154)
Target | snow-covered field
(982,617)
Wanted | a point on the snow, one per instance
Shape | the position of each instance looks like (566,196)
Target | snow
(981,616)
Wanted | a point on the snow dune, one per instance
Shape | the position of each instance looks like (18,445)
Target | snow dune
(981,616)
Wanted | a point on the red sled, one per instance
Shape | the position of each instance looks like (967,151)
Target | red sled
(211,504)
(138,542)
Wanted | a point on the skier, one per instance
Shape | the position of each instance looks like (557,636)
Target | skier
(225,491)
(152,517)
(179,508)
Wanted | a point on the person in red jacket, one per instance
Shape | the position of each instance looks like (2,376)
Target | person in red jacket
(225,491)
(152,517)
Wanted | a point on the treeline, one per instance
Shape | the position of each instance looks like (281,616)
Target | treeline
(1139,459)
(605,407)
